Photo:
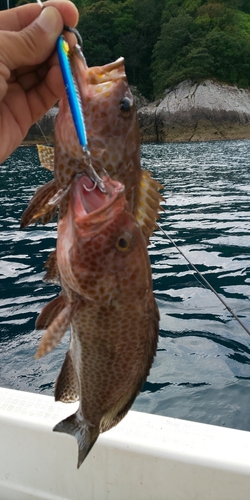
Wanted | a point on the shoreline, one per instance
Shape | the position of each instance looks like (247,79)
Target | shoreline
(190,112)
(185,138)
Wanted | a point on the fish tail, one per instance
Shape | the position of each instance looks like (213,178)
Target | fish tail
(85,434)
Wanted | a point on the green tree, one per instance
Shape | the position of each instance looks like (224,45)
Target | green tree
(96,27)
(166,41)
(211,41)
(170,50)
(128,28)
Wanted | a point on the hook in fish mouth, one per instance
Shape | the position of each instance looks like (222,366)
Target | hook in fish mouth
(98,181)
(89,189)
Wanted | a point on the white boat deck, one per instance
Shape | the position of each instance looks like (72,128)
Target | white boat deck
(146,457)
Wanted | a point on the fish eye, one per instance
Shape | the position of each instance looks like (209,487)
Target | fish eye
(124,242)
(126,105)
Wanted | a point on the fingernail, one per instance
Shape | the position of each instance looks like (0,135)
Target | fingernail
(49,19)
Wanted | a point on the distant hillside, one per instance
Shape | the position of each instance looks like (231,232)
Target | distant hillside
(165,42)
(201,40)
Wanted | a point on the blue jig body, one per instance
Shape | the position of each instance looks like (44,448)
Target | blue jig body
(72,91)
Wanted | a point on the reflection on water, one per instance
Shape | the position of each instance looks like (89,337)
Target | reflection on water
(202,368)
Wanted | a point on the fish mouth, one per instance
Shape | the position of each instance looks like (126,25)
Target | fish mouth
(93,207)
(98,79)
(99,75)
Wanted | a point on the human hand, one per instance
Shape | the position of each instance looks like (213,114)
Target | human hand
(30,76)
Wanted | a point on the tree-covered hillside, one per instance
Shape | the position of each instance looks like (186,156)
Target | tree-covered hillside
(167,41)
(200,40)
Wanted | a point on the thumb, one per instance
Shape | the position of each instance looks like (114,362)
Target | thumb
(35,43)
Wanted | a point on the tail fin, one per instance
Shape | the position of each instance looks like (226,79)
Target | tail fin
(86,435)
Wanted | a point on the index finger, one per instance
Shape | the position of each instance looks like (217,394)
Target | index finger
(19,17)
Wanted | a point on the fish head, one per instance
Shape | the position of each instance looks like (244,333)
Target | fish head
(110,119)
(107,101)
(100,245)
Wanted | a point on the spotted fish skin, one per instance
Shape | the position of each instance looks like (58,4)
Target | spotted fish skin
(111,122)
(113,141)
(106,278)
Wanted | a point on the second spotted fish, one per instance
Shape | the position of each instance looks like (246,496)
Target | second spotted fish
(108,301)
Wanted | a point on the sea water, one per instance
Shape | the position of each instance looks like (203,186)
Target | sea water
(202,368)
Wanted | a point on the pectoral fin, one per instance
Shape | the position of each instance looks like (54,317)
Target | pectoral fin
(39,206)
(50,312)
(67,385)
(149,206)
(56,330)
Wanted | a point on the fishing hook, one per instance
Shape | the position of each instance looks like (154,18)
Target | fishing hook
(66,28)
(76,33)
(90,189)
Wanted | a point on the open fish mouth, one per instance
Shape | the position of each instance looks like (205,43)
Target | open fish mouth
(93,206)
(100,75)
(98,78)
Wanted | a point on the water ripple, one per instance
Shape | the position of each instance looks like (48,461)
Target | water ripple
(202,368)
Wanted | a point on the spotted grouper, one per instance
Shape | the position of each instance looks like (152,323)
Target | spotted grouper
(113,142)
(107,300)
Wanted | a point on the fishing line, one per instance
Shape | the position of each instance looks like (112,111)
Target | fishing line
(204,280)
(98,180)
(195,277)
(44,136)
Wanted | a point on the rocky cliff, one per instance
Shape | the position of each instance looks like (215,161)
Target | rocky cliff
(189,112)
(195,112)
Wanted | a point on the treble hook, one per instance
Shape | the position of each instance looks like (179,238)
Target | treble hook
(90,189)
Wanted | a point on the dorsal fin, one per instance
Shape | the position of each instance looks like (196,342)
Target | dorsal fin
(149,204)
(46,156)
(67,386)
(56,330)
